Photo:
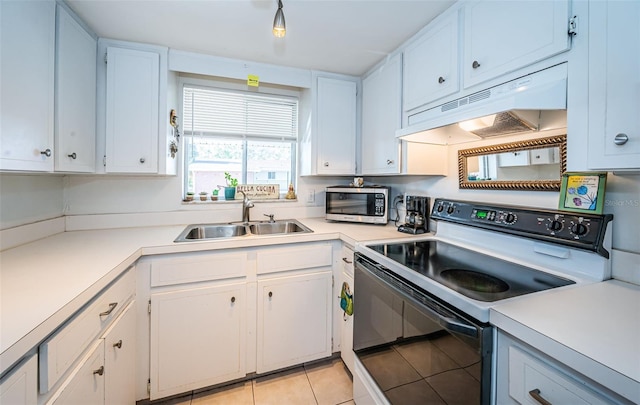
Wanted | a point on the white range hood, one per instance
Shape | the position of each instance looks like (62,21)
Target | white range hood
(535,102)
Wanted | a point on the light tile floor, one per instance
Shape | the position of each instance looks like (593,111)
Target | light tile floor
(323,383)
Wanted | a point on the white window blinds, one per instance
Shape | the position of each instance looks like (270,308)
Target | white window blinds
(211,112)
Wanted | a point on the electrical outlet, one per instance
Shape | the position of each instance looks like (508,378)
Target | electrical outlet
(311,196)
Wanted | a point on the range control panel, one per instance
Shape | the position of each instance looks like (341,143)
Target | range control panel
(585,231)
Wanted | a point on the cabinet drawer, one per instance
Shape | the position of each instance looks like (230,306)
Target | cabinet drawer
(62,349)
(293,258)
(181,269)
(529,376)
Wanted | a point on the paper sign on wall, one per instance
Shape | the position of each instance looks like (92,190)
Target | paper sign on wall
(253,80)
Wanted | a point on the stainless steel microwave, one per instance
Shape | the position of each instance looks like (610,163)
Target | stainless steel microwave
(368,205)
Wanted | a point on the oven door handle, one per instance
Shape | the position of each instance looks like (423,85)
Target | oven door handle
(457,326)
(446,319)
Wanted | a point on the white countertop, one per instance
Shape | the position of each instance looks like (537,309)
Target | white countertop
(44,282)
(593,328)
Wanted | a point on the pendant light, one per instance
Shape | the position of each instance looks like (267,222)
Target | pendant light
(279,26)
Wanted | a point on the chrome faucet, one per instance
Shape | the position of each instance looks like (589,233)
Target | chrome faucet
(246,205)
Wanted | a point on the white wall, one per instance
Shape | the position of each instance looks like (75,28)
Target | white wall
(25,199)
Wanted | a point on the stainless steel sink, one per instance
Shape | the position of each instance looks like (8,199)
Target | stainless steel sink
(219,231)
(270,228)
(211,231)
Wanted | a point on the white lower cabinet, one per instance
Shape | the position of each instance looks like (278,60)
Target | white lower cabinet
(294,320)
(106,373)
(346,327)
(527,376)
(20,387)
(197,338)
(219,315)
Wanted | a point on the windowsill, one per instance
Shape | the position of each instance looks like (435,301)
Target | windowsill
(223,201)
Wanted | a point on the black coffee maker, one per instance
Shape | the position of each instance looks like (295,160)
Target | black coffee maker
(416,219)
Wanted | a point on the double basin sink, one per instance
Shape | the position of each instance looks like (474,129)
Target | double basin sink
(219,231)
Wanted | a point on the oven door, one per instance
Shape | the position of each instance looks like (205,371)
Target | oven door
(415,349)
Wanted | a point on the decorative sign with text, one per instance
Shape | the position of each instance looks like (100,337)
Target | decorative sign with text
(258,191)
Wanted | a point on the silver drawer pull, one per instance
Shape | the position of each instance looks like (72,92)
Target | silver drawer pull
(118,344)
(535,394)
(46,152)
(344,259)
(112,306)
(99,371)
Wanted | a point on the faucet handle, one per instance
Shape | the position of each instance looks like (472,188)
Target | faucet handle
(270,217)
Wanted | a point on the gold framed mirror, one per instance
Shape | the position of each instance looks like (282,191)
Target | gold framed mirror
(533,165)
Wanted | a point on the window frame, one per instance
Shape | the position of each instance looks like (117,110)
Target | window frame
(236,85)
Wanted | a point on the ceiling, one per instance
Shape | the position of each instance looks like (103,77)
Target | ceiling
(341,36)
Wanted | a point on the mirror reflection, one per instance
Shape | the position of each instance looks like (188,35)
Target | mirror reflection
(535,164)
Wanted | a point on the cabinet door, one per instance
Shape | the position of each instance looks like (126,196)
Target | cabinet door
(85,385)
(294,320)
(381,116)
(503,36)
(197,338)
(336,126)
(132,111)
(27,41)
(431,65)
(614,80)
(21,386)
(346,330)
(120,359)
(75,96)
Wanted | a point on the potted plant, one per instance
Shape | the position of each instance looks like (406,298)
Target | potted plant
(203,196)
(214,195)
(189,196)
(230,189)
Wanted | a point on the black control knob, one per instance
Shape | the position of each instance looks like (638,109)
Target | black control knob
(440,208)
(510,218)
(450,209)
(579,229)
(555,225)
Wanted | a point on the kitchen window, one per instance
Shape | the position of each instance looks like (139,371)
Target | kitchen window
(252,136)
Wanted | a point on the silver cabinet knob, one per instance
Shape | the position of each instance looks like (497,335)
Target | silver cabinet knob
(142,160)
(441,80)
(46,152)
(99,371)
(389,162)
(326,164)
(72,156)
(118,344)
(475,64)
(620,139)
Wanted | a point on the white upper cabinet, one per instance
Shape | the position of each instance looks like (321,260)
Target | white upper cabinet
(503,36)
(431,64)
(329,145)
(381,117)
(132,111)
(75,134)
(614,80)
(27,41)
(135,93)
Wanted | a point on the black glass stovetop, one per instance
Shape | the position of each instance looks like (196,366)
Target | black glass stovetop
(473,274)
